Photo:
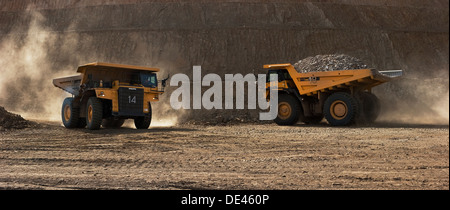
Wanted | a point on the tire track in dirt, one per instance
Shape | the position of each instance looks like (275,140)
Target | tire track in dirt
(246,156)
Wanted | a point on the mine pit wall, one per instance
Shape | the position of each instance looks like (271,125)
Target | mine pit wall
(229,37)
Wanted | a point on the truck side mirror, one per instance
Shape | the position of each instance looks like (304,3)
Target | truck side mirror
(164,81)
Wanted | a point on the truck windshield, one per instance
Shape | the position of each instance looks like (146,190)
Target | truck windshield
(149,80)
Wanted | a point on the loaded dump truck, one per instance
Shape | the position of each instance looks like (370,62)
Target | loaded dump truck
(342,97)
(106,94)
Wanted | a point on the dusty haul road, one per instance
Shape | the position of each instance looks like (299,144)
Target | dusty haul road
(246,156)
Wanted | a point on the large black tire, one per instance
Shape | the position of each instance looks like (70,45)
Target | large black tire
(69,114)
(112,123)
(289,110)
(370,108)
(145,121)
(341,109)
(94,113)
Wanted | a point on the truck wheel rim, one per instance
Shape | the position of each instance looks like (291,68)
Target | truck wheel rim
(284,110)
(339,110)
(90,111)
(67,113)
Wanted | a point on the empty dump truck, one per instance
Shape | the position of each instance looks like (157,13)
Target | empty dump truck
(342,97)
(106,94)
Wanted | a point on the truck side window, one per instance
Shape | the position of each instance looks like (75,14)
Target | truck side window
(149,80)
(271,72)
(282,74)
(286,75)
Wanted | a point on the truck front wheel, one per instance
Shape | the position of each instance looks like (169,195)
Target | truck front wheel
(94,113)
(341,109)
(289,110)
(145,121)
(370,107)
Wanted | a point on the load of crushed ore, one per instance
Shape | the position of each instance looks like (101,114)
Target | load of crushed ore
(9,121)
(329,63)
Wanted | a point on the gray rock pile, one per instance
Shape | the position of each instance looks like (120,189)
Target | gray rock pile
(329,63)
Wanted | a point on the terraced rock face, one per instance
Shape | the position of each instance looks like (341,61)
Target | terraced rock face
(236,36)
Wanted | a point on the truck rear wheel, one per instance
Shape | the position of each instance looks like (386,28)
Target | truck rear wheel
(94,113)
(370,107)
(69,114)
(341,109)
(289,109)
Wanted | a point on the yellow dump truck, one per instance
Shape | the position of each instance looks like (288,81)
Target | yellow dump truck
(342,97)
(106,94)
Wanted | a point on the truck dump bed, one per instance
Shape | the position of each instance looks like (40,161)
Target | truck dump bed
(69,84)
(314,82)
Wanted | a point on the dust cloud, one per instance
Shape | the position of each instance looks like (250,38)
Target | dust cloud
(442,108)
(26,73)
(27,70)
(410,99)
(415,101)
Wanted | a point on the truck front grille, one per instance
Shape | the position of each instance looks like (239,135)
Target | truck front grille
(131,101)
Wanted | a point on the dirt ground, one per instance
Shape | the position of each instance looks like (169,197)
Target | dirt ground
(244,156)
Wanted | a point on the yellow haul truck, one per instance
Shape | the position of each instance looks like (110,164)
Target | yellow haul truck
(342,97)
(106,94)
